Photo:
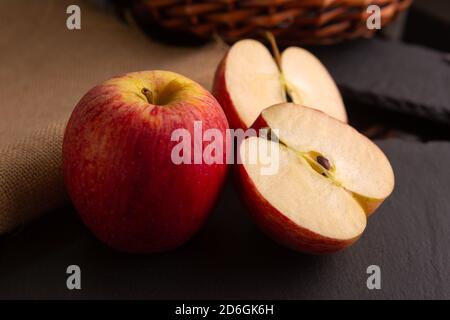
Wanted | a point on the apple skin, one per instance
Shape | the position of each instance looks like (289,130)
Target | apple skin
(280,228)
(118,168)
(369,205)
(220,91)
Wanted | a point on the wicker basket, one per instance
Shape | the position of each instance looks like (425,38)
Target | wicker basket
(291,21)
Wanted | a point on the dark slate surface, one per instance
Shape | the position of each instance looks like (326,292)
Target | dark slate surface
(405,78)
(429,24)
(408,238)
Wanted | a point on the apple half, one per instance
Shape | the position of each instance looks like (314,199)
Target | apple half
(329,179)
(249,79)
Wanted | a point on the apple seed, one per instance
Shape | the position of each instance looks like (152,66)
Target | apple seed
(324,162)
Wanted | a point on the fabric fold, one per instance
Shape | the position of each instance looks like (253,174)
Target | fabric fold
(31,178)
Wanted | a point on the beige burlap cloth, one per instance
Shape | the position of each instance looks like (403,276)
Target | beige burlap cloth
(31,177)
(45,69)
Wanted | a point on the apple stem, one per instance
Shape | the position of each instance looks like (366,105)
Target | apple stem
(148,94)
(276,51)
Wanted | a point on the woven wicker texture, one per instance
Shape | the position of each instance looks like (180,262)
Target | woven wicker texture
(31,177)
(291,21)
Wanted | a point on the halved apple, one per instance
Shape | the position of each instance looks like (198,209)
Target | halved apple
(249,80)
(329,179)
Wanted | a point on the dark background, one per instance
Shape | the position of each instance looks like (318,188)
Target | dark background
(408,237)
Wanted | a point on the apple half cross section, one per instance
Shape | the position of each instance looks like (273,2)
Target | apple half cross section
(329,179)
(249,80)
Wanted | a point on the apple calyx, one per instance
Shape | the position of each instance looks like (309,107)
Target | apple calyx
(148,95)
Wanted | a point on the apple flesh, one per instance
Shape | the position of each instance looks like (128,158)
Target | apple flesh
(248,80)
(118,167)
(330,178)
(309,83)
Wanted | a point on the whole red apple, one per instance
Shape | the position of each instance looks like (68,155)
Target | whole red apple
(118,164)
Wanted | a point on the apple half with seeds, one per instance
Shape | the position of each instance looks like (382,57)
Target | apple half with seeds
(329,179)
(249,79)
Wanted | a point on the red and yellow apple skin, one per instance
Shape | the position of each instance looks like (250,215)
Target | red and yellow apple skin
(221,92)
(117,161)
(279,227)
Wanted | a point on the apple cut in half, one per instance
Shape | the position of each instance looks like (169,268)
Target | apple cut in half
(327,179)
(249,79)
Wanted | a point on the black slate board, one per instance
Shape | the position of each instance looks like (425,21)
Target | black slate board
(428,24)
(403,78)
(408,238)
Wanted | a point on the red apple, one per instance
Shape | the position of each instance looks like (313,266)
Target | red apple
(249,79)
(118,166)
(326,180)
